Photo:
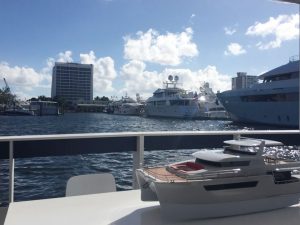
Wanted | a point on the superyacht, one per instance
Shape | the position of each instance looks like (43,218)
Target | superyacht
(274,101)
(173,102)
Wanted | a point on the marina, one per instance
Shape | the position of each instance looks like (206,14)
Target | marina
(117,116)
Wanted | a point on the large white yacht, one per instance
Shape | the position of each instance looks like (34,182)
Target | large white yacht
(274,101)
(173,102)
(247,176)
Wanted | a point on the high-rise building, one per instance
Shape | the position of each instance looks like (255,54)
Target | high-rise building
(72,82)
(243,81)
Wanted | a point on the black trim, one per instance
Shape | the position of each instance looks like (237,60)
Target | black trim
(218,187)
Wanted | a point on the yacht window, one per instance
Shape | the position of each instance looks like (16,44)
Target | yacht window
(158,95)
(287,76)
(177,102)
(282,97)
(245,151)
(218,187)
(159,103)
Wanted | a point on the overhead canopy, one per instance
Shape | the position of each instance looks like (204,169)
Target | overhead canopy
(292,1)
(292,66)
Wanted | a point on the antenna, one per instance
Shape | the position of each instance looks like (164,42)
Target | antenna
(176,78)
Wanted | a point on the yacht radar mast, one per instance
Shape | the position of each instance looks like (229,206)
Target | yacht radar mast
(173,80)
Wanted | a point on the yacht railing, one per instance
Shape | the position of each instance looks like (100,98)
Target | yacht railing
(14,147)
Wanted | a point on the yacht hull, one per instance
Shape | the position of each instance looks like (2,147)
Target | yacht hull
(191,112)
(270,113)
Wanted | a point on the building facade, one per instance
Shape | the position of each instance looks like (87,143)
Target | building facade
(72,82)
(243,81)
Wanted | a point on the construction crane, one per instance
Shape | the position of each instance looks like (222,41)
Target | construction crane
(6,86)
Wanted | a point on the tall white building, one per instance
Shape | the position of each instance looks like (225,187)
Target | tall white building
(243,81)
(72,82)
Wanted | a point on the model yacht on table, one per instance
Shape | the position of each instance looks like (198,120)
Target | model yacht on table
(237,180)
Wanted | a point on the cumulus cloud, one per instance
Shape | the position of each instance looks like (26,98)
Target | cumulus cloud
(16,75)
(138,80)
(65,57)
(229,31)
(280,29)
(25,80)
(168,49)
(234,49)
(104,72)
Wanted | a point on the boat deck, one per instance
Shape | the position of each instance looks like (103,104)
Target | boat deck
(162,174)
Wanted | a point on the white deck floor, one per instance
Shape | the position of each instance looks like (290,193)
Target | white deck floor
(120,208)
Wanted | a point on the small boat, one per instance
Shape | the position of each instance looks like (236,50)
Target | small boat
(242,178)
(126,106)
(210,105)
(17,111)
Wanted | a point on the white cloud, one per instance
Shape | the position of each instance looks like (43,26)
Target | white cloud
(138,80)
(234,49)
(65,57)
(26,81)
(104,72)
(229,31)
(168,49)
(16,75)
(280,29)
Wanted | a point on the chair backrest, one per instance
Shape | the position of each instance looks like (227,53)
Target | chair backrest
(90,184)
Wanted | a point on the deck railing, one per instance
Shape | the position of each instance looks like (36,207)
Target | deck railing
(13,147)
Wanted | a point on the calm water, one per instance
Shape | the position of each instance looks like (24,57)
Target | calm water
(46,177)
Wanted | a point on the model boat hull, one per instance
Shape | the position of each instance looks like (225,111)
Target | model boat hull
(209,198)
(203,211)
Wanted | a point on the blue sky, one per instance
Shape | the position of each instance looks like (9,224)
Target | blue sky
(135,44)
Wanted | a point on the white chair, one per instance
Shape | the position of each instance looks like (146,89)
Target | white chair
(90,184)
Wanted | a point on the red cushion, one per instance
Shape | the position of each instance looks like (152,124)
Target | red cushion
(195,166)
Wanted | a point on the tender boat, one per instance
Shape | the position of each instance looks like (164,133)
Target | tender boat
(211,107)
(274,101)
(243,178)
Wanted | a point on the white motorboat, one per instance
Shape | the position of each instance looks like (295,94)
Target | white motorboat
(243,178)
(126,106)
(17,111)
(211,107)
(275,101)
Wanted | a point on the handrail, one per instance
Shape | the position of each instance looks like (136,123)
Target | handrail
(138,141)
(148,134)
